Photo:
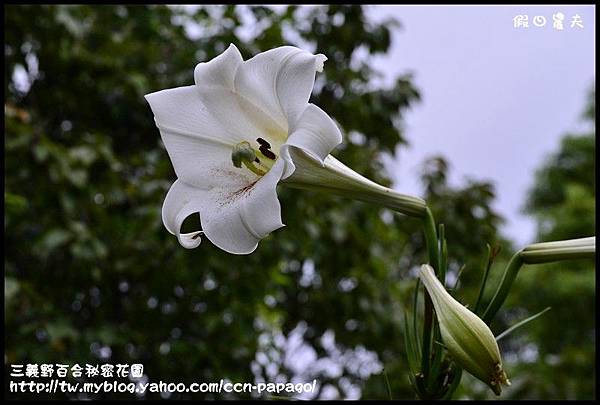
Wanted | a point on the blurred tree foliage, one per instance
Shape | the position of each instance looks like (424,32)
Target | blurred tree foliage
(93,277)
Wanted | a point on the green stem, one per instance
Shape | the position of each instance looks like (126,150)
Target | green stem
(454,384)
(415,319)
(504,287)
(426,346)
(488,264)
(443,255)
(431,240)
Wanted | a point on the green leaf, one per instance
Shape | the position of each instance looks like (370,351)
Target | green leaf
(521,323)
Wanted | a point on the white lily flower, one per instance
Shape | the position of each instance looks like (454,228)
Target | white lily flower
(231,137)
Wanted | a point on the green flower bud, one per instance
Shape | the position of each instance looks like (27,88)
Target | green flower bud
(560,250)
(468,339)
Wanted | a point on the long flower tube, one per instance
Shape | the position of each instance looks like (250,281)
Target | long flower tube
(332,176)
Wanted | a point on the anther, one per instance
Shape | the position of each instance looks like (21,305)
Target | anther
(262,142)
(267,153)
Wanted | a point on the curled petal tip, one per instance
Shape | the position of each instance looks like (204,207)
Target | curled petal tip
(190,240)
(320,61)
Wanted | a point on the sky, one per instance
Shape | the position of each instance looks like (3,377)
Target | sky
(496,99)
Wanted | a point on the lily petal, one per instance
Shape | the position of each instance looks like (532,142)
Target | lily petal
(279,80)
(197,143)
(182,110)
(315,133)
(181,201)
(220,71)
(236,221)
(241,116)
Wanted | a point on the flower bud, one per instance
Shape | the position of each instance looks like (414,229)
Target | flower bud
(468,339)
(560,250)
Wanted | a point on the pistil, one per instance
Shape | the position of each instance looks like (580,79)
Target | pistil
(244,154)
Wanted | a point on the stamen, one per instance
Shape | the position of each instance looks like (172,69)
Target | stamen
(267,153)
(264,148)
(254,169)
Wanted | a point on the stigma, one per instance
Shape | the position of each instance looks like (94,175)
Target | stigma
(258,161)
